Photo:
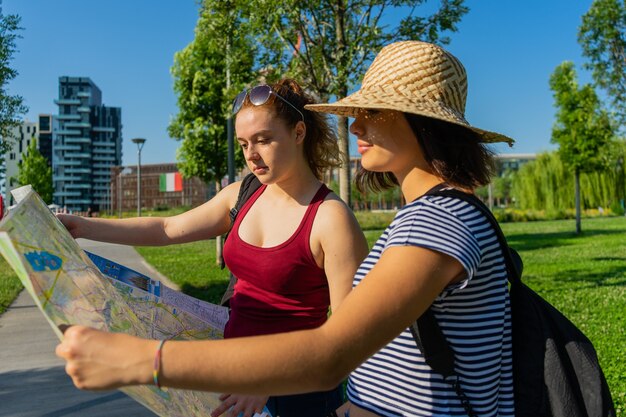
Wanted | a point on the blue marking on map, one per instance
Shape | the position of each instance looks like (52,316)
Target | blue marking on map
(39,261)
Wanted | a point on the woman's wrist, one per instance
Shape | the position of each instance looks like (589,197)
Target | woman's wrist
(156,366)
(141,370)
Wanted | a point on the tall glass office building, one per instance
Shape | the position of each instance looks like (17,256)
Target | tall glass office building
(87,142)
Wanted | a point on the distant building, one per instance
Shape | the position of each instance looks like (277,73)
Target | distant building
(512,161)
(46,123)
(20,138)
(86,144)
(161,187)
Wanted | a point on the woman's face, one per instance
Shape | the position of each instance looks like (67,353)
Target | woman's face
(385,141)
(270,147)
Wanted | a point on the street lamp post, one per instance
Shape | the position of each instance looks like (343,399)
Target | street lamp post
(140,142)
(120,202)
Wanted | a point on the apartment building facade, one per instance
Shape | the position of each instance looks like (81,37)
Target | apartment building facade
(20,139)
(86,143)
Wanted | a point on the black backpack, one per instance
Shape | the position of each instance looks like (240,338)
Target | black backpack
(249,185)
(555,367)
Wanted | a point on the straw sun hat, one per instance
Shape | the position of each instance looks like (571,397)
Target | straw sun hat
(413,77)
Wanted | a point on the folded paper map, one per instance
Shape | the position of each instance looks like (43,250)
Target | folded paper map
(71,286)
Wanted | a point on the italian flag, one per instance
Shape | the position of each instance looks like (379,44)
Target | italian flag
(171,182)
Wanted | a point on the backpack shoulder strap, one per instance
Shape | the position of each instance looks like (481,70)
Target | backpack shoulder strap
(249,185)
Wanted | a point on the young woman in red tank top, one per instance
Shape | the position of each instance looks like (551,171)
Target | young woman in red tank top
(294,247)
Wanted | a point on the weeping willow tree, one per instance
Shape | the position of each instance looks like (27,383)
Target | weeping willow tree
(546,184)
(543,184)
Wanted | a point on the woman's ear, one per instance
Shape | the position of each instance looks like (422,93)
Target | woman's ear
(300,131)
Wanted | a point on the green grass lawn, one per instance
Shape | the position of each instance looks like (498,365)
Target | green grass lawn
(10,285)
(583,276)
(191,266)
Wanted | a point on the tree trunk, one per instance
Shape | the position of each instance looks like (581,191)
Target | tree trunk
(218,239)
(577,182)
(342,82)
(344,171)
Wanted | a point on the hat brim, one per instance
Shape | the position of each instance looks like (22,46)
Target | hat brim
(384,100)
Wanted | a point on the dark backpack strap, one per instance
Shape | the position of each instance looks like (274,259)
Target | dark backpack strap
(249,185)
(437,353)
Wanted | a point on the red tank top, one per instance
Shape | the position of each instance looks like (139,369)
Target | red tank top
(279,289)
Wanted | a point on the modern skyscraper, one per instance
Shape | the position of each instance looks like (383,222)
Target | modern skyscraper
(86,145)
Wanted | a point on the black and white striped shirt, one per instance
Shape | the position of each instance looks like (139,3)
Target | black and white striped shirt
(474,316)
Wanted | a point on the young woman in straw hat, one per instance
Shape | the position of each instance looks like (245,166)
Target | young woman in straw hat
(438,252)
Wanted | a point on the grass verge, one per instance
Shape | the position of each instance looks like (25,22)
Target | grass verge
(10,285)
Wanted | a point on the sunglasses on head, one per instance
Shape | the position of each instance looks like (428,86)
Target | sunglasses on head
(258,96)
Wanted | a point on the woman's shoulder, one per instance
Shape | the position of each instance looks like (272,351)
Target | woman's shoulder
(334,204)
(436,212)
(334,212)
(441,205)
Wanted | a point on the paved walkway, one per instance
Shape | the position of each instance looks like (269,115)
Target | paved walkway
(33,382)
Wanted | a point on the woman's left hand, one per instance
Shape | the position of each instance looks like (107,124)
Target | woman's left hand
(233,405)
(99,360)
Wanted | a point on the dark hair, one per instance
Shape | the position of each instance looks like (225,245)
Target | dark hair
(321,149)
(455,153)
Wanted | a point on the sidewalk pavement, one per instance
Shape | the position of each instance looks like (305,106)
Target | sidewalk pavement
(33,382)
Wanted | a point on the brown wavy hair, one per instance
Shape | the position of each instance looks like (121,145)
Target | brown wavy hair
(453,152)
(321,149)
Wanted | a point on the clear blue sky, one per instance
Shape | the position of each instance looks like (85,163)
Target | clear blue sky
(126,47)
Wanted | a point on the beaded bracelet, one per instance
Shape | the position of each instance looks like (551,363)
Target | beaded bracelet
(157,364)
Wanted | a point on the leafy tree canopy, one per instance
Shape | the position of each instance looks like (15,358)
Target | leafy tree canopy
(602,36)
(11,106)
(34,170)
(329,44)
(583,130)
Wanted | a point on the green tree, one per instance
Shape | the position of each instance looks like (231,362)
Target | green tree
(208,73)
(328,44)
(602,36)
(11,106)
(34,170)
(582,129)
